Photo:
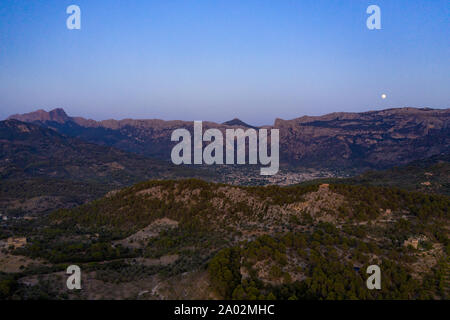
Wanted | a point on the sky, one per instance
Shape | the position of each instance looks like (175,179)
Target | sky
(215,60)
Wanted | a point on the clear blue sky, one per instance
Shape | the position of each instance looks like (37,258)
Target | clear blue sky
(216,60)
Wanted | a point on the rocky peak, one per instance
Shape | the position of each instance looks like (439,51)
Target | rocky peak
(55,115)
(237,122)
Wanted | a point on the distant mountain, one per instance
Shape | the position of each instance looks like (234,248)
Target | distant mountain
(149,137)
(37,161)
(431,175)
(238,122)
(375,139)
(56,115)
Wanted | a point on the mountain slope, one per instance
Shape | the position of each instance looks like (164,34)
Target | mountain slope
(311,242)
(376,139)
(430,175)
(40,162)
(150,137)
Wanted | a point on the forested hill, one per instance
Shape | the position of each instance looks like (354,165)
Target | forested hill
(430,175)
(215,240)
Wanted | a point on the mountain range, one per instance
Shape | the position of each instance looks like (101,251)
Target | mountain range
(374,139)
(189,239)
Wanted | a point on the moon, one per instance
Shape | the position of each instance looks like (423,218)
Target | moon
(383,96)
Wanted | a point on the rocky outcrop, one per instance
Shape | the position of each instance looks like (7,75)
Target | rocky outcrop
(370,139)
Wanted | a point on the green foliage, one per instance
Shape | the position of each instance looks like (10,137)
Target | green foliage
(328,275)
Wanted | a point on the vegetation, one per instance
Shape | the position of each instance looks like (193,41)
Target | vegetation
(298,242)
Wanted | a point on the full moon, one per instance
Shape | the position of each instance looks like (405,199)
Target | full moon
(383,96)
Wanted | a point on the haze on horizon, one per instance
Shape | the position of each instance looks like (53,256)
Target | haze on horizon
(256,60)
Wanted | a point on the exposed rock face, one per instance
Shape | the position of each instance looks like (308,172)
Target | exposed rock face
(338,140)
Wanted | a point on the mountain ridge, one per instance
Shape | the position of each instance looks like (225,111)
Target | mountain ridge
(304,242)
(372,139)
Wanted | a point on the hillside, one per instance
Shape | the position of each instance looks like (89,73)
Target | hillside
(430,175)
(190,239)
(375,139)
(41,169)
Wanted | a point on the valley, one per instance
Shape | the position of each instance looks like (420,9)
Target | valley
(142,228)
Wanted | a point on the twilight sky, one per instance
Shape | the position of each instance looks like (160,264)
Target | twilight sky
(220,59)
